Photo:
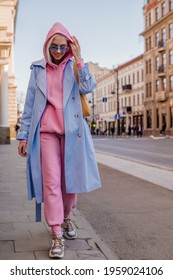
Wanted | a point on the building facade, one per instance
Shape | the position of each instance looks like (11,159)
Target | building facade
(158,67)
(8,100)
(119,98)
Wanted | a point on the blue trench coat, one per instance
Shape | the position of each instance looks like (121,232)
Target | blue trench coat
(81,171)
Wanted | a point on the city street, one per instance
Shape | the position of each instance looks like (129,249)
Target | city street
(132,215)
(157,152)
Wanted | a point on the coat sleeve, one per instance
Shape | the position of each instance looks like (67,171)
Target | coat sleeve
(27,113)
(86,81)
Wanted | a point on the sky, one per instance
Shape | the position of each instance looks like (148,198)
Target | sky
(108,31)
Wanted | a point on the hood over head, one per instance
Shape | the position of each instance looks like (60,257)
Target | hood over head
(57,28)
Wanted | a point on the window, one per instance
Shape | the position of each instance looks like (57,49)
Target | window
(133,100)
(170,5)
(146,67)
(142,74)
(150,43)
(129,79)
(146,44)
(157,85)
(170,30)
(164,61)
(157,39)
(138,77)
(147,95)
(149,65)
(164,36)
(156,14)
(150,89)
(146,22)
(129,101)
(149,118)
(157,118)
(149,19)
(157,63)
(163,9)
(171,57)
(171,83)
(171,116)
(138,100)
(142,98)
(133,78)
(164,84)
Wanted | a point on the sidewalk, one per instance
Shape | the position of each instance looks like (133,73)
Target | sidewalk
(23,239)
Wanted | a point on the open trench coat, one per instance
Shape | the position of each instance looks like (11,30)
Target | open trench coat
(81,171)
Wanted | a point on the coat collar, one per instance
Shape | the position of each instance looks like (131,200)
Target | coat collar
(69,78)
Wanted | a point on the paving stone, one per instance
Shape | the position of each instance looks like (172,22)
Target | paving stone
(6,246)
(91,255)
(77,244)
(7,216)
(31,245)
(15,235)
(92,244)
(6,227)
(17,256)
(82,234)
(37,230)
(70,255)
(42,255)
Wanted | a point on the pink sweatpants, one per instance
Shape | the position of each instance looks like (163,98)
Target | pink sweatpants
(57,203)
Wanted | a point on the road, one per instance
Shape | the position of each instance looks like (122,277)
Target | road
(157,152)
(134,217)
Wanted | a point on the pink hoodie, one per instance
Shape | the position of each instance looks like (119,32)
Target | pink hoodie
(53,118)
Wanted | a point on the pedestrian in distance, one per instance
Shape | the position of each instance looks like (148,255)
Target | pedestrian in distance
(55,137)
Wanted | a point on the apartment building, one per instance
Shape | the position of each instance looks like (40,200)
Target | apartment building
(8,101)
(158,66)
(120,98)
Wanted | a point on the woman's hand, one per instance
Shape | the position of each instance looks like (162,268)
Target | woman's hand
(75,47)
(22,148)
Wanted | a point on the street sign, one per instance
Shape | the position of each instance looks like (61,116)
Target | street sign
(104,99)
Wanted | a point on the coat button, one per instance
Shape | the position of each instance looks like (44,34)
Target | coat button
(79,136)
(76,115)
(73,97)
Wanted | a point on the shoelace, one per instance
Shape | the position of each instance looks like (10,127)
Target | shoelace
(58,242)
(69,225)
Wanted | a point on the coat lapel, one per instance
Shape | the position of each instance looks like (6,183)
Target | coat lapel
(41,81)
(69,80)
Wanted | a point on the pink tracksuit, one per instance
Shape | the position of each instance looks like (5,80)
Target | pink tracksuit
(57,203)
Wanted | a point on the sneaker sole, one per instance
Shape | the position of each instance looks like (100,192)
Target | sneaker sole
(66,236)
(54,256)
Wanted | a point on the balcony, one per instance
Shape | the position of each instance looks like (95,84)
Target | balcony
(160,96)
(162,70)
(127,87)
(161,45)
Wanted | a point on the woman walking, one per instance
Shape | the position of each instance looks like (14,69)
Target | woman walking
(54,135)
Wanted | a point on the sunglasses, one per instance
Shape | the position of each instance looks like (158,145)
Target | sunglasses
(61,48)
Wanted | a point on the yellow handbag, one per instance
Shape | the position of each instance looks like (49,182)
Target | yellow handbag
(86,109)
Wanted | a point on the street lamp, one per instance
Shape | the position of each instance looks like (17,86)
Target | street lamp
(117,101)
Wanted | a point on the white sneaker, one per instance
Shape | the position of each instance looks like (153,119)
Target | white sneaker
(57,247)
(69,231)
